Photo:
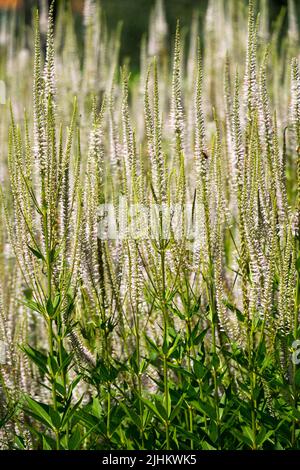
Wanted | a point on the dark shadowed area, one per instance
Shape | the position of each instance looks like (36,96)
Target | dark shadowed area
(134,16)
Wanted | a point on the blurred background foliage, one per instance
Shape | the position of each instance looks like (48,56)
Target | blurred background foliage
(134,16)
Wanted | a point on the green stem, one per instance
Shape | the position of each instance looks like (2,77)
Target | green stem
(108,412)
(166,341)
(141,406)
(190,409)
(166,392)
(296,321)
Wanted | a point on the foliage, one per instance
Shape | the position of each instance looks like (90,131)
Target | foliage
(184,339)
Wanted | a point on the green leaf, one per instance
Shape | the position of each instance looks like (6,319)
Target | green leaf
(198,339)
(241,437)
(152,408)
(207,446)
(213,431)
(19,441)
(49,307)
(263,436)
(161,408)
(297,378)
(152,344)
(70,412)
(132,416)
(39,412)
(11,411)
(295,413)
(97,409)
(238,313)
(37,357)
(177,407)
(28,293)
(174,345)
(205,408)
(168,405)
(52,307)
(248,433)
(36,253)
(46,445)
(134,362)
(34,306)
(75,439)
(55,418)
(53,255)
(143,366)
(65,364)
(52,364)
(165,346)
(199,369)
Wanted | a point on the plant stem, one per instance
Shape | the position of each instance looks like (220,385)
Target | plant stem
(166,335)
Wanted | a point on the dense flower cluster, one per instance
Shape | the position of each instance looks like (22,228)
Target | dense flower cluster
(155,336)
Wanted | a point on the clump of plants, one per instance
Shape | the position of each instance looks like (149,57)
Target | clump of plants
(150,263)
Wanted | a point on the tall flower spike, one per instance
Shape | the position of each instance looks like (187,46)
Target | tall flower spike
(191,71)
(237,135)
(228,103)
(265,114)
(150,129)
(64,195)
(200,144)
(154,135)
(202,165)
(295,93)
(113,132)
(128,147)
(38,108)
(251,61)
(158,139)
(176,104)
(296,125)
(49,72)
